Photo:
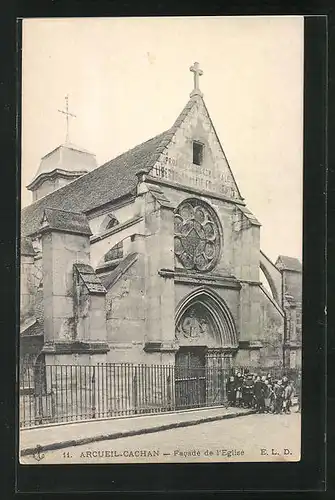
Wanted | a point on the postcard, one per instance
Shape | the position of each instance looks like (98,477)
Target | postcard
(161,240)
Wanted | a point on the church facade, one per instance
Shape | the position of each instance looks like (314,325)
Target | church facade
(153,258)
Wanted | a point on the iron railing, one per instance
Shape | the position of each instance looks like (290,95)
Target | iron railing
(65,393)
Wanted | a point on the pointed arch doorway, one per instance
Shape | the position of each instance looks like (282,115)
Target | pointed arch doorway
(206,336)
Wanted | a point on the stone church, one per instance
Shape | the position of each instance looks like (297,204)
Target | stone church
(153,257)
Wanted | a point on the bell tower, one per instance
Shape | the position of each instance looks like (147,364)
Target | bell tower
(62,165)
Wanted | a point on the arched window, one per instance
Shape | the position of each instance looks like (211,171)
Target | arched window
(112,223)
(117,251)
(197,240)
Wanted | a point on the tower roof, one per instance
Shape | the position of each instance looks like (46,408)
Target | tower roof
(67,159)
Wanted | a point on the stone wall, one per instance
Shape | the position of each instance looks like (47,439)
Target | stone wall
(272,329)
(292,283)
(27,287)
(60,252)
(122,213)
(250,328)
(125,306)
(99,248)
(45,188)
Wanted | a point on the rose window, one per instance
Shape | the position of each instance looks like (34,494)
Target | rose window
(197,236)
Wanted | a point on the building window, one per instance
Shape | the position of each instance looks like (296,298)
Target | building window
(112,223)
(198,153)
(114,253)
(117,251)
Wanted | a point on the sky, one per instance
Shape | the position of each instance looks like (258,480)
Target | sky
(128,79)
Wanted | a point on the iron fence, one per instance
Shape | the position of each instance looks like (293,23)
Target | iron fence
(65,393)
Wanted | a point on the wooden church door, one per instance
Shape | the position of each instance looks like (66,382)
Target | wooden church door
(190,377)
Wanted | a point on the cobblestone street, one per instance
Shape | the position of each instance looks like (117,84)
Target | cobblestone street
(259,437)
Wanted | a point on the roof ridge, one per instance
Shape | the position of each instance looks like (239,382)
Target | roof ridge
(132,149)
(182,115)
(288,257)
(69,145)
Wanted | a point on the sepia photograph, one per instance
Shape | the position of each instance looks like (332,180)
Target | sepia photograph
(161,240)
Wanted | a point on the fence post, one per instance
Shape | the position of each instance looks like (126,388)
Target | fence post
(93,393)
(38,390)
(169,398)
(135,391)
(222,385)
(172,388)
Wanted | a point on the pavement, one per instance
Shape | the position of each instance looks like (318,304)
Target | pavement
(55,437)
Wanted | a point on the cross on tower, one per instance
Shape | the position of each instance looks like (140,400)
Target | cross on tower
(67,114)
(197,72)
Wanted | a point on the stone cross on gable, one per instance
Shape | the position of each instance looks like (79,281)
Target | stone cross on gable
(197,72)
(67,114)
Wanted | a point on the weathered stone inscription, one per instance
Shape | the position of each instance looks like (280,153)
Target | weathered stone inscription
(184,172)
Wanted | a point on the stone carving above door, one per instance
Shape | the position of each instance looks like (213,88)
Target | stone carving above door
(197,241)
(196,324)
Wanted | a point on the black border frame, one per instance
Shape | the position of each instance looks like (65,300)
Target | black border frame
(309,474)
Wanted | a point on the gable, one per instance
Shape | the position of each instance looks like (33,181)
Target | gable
(176,162)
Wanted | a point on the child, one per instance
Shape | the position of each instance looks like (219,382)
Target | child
(267,396)
(238,390)
(279,396)
(288,393)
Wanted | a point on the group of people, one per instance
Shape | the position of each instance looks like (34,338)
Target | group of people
(264,393)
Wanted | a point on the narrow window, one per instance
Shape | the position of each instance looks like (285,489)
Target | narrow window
(117,251)
(198,150)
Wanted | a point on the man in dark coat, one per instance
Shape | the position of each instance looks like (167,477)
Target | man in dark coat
(248,391)
(267,396)
(259,395)
(231,391)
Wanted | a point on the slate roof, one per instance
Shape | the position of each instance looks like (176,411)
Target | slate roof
(65,221)
(31,327)
(109,279)
(26,247)
(288,263)
(108,182)
(250,216)
(159,195)
(90,279)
